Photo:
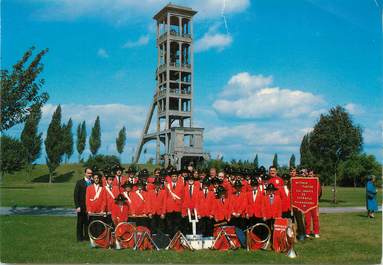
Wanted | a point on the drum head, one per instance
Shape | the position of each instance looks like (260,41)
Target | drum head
(97,229)
(261,231)
(161,240)
(124,231)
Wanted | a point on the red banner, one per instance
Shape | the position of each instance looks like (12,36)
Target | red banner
(304,193)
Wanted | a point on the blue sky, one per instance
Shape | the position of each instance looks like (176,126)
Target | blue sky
(260,84)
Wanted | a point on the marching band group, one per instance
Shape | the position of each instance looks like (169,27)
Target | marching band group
(163,201)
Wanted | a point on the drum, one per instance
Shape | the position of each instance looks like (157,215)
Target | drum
(100,234)
(125,234)
(162,240)
(258,237)
(225,238)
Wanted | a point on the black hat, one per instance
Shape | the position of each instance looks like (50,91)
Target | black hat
(141,183)
(262,170)
(144,173)
(173,171)
(131,170)
(127,185)
(228,170)
(97,173)
(271,186)
(254,182)
(117,167)
(216,181)
(109,176)
(206,182)
(120,198)
(157,181)
(220,191)
(184,171)
(238,184)
(266,177)
(163,172)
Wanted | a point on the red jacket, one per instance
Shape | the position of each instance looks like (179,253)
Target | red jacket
(254,203)
(119,184)
(175,196)
(150,185)
(95,199)
(285,197)
(120,214)
(271,211)
(238,203)
(205,204)
(139,203)
(221,210)
(111,194)
(156,202)
(190,202)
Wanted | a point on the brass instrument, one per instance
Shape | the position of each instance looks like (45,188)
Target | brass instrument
(104,234)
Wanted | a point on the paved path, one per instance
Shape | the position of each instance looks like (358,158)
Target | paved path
(42,211)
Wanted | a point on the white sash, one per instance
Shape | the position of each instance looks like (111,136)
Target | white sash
(255,195)
(140,195)
(175,196)
(98,192)
(286,190)
(127,197)
(110,192)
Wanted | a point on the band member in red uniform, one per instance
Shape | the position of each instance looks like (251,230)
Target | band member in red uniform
(221,206)
(205,209)
(275,179)
(131,178)
(254,203)
(285,197)
(119,179)
(313,213)
(95,198)
(190,199)
(174,199)
(272,205)
(156,207)
(238,206)
(120,210)
(139,205)
(111,194)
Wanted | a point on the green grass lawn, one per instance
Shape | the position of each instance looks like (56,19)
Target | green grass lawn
(20,190)
(345,239)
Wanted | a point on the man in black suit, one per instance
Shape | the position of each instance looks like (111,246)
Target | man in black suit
(79,202)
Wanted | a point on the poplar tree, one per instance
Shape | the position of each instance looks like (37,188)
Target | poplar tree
(31,139)
(275,161)
(121,140)
(256,161)
(54,143)
(292,161)
(81,139)
(95,137)
(68,140)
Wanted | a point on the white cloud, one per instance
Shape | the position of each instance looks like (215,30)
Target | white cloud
(102,53)
(113,116)
(249,96)
(120,11)
(354,109)
(141,41)
(216,41)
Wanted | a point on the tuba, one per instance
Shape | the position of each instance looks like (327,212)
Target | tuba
(258,237)
(100,234)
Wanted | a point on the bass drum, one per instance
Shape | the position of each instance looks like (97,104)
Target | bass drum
(258,237)
(125,234)
(100,234)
